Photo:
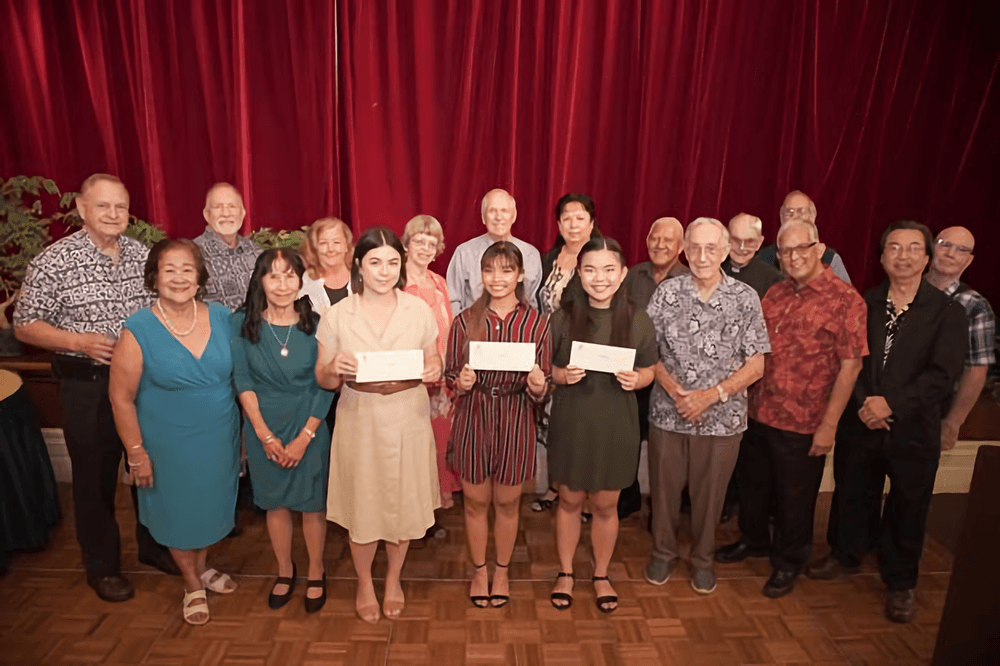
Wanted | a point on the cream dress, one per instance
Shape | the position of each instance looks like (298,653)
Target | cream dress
(383,465)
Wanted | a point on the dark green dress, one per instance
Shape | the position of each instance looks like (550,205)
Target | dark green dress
(594,428)
(288,395)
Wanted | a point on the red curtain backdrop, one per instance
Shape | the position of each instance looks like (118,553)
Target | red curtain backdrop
(377,110)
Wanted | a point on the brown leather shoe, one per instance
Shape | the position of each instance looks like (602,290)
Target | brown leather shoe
(899,605)
(112,588)
(828,568)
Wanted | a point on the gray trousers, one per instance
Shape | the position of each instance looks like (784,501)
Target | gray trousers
(702,462)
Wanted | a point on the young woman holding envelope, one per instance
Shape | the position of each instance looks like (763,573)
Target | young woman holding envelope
(493,436)
(594,427)
(383,467)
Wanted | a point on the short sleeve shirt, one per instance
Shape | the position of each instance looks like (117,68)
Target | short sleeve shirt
(982,324)
(812,329)
(344,327)
(229,268)
(702,344)
(73,286)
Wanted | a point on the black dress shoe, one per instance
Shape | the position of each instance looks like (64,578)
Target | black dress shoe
(829,568)
(112,588)
(313,605)
(781,582)
(276,601)
(737,552)
(162,561)
(899,605)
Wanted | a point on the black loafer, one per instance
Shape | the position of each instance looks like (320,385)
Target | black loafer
(737,552)
(781,582)
(899,605)
(162,561)
(276,601)
(112,588)
(829,568)
(313,605)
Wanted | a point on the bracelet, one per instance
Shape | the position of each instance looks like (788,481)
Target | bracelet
(137,446)
(311,433)
(269,438)
(134,464)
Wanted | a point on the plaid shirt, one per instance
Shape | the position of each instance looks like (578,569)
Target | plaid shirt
(229,269)
(982,323)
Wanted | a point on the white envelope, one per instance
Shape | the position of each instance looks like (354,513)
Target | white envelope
(511,356)
(601,358)
(389,366)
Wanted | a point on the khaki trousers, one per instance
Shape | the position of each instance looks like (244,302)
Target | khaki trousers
(702,462)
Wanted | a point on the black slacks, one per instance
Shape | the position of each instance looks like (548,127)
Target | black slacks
(777,464)
(897,531)
(95,452)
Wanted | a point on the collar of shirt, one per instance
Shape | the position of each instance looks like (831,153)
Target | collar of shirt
(214,238)
(952,288)
(820,284)
(727,284)
(490,314)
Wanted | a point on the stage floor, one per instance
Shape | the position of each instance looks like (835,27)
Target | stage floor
(48,615)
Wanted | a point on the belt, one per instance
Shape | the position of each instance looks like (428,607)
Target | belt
(384,388)
(78,368)
(497,391)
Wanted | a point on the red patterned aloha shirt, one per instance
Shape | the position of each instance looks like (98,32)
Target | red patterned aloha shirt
(812,329)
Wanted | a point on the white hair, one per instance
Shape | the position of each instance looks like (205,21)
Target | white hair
(699,221)
(486,197)
(813,232)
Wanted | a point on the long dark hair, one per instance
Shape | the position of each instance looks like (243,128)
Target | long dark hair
(579,313)
(505,254)
(374,238)
(256,301)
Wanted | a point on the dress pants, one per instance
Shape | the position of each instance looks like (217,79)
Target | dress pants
(702,462)
(867,458)
(778,464)
(95,452)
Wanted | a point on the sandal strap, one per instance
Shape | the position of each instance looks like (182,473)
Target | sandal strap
(479,566)
(502,566)
(563,574)
(283,580)
(597,578)
(316,583)
(194,596)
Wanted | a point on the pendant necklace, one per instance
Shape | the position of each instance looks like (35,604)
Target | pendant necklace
(284,345)
(170,324)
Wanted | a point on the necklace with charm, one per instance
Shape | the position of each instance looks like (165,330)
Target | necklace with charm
(284,345)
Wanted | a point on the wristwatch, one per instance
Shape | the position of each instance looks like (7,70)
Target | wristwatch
(723,396)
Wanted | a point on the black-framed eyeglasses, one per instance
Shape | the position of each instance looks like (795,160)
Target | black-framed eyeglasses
(798,251)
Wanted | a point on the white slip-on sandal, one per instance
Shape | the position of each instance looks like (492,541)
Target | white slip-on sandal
(216,582)
(190,607)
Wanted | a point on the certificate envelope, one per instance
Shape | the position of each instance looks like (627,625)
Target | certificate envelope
(512,356)
(388,366)
(601,358)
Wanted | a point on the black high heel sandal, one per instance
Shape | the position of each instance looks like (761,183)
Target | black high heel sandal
(542,504)
(502,598)
(562,596)
(276,601)
(314,604)
(606,599)
(479,601)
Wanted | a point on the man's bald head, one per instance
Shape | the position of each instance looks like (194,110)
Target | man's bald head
(746,234)
(499,210)
(224,211)
(797,206)
(664,241)
(953,252)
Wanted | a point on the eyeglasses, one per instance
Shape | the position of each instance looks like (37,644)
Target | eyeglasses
(959,249)
(744,243)
(786,213)
(912,248)
(703,250)
(225,207)
(798,251)
(428,242)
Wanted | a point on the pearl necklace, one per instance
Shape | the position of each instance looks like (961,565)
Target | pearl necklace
(170,324)
(284,345)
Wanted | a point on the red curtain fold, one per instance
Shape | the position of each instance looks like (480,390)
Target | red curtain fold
(379,110)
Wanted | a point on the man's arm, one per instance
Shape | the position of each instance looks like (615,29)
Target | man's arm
(45,335)
(693,404)
(532,273)
(969,387)
(825,434)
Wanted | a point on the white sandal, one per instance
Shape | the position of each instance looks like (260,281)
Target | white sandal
(218,585)
(190,609)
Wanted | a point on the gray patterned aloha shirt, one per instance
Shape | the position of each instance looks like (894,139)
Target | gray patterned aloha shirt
(229,269)
(73,286)
(702,344)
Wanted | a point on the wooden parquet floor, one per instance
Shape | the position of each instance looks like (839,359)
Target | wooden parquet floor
(48,615)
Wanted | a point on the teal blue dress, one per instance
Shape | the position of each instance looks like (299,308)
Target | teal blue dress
(190,427)
(287,394)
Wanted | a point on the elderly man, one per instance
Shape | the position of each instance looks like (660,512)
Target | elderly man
(952,255)
(798,206)
(918,338)
(465,282)
(229,257)
(75,299)
(746,235)
(663,244)
(816,324)
(712,340)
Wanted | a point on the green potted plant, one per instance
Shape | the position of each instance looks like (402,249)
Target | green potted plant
(268,238)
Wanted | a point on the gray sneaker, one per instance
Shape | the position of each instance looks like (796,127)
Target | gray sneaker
(703,581)
(658,571)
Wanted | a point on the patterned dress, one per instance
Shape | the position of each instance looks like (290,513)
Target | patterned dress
(493,435)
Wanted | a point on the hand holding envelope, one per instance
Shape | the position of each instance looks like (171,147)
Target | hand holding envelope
(389,366)
(345,364)
(466,378)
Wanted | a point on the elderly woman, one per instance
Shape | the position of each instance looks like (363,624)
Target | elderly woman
(288,445)
(423,239)
(383,471)
(171,389)
(577,225)
(327,253)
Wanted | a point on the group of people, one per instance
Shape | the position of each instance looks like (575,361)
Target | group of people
(749,363)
